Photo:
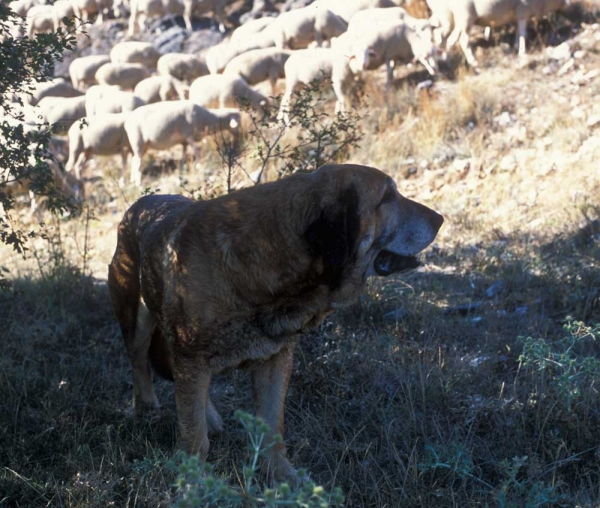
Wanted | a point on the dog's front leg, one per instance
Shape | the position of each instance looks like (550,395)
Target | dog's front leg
(270,383)
(192,382)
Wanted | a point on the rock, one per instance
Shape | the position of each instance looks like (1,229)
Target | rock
(495,289)
(503,119)
(201,40)
(395,315)
(566,67)
(560,52)
(171,40)
(593,121)
(508,163)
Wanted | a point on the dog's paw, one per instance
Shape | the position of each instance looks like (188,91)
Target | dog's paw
(281,471)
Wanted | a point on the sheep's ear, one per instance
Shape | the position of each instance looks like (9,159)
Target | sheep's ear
(333,236)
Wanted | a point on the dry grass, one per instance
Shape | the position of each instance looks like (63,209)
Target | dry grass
(416,395)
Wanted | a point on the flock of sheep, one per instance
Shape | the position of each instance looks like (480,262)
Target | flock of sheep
(135,98)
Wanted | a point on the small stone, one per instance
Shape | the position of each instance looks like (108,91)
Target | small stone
(593,121)
(560,52)
(508,163)
(495,289)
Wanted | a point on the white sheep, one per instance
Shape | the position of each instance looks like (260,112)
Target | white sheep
(307,65)
(224,90)
(142,10)
(125,76)
(249,29)
(97,135)
(298,28)
(83,70)
(21,7)
(217,7)
(62,9)
(364,19)
(218,56)
(348,8)
(143,53)
(40,19)
(259,65)
(57,87)
(61,112)
(394,41)
(160,88)
(454,19)
(182,66)
(165,124)
(102,99)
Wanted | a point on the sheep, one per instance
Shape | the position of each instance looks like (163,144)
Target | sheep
(61,112)
(143,53)
(182,66)
(365,18)
(125,76)
(97,135)
(202,7)
(57,87)
(83,70)
(40,19)
(397,41)
(85,9)
(259,65)
(102,99)
(298,28)
(166,124)
(142,10)
(224,90)
(160,88)
(62,9)
(307,65)
(454,19)
(242,33)
(348,8)
(21,7)
(218,56)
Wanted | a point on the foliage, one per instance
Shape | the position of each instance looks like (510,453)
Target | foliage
(560,369)
(199,486)
(308,138)
(25,159)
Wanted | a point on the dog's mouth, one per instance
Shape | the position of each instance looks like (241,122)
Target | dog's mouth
(388,262)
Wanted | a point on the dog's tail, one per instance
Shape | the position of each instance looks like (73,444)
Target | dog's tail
(125,292)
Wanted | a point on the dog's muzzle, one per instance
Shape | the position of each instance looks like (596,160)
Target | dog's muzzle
(388,262)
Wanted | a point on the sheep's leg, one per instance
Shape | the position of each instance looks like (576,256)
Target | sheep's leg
(124,155)
(284,115)
(136,173)
(390,74)
(522,36)
(187,15)
(318,39)
(80,163)
(487,33)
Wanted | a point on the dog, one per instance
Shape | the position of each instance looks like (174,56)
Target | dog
(201,287)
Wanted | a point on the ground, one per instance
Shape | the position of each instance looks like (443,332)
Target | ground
(469,382)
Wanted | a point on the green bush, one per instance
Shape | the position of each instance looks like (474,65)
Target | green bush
(198,486)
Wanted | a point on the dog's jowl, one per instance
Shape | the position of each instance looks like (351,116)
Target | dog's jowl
(200,287)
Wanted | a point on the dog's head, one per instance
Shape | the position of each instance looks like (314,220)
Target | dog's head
(366,224)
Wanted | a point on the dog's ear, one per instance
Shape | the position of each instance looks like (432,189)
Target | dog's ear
(333,236)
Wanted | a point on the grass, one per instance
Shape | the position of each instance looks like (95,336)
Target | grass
(457,385)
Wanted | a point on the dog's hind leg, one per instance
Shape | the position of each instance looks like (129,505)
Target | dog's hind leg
(133,316)
(137,350)
(270,382)
(213,419)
